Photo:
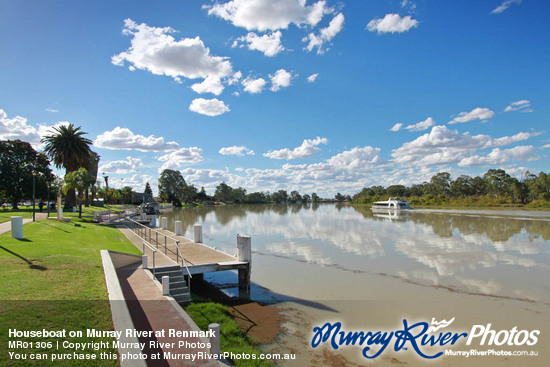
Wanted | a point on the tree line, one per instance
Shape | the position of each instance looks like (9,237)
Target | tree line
(496,186)
(174,189)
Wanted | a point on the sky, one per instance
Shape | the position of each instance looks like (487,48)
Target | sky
(315,96)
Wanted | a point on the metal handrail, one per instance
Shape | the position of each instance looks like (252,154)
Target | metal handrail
(176,241)
(145,243)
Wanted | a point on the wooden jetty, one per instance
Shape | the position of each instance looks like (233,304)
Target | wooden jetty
(167,249)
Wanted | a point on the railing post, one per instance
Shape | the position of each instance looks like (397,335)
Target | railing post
(197,231)
(154,267)
(177,252)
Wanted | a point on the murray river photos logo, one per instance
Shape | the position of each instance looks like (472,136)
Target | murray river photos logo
(418,337)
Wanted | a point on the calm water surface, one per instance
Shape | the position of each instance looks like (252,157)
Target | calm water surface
(496,252)
(328,263)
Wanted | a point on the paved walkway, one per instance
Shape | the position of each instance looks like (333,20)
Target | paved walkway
(151,311)
(6,226)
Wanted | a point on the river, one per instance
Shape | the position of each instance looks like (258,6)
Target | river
(332,263)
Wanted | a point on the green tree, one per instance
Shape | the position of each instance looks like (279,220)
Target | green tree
(497,182)
(295,196)
(314,198)
(147,193)
(202,196)
(172,186)
(127,193)
(189,193)
(68,148)
(462,186)
(223,192)
(440,184)
(18,161)
(80,182)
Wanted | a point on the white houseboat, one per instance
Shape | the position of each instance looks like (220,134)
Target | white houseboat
(391,204)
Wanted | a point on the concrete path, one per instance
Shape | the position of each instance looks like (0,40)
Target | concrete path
(6,226)
(151,311)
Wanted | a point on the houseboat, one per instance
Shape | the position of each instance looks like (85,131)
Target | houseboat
(391,204)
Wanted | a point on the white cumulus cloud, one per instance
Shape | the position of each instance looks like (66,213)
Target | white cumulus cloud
(392,23)
(212,84)
(155,50)
(281,79)
(208,107)
(236,150)
(325,35)
(18,128)
(475,114)
(308,147)
(129,165)
(263,15)
(269,44)
(422,125)
(178,158)
(498,156)
(444,146)
(254,86)
(124,138)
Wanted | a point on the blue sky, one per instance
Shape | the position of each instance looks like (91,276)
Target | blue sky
(314,96)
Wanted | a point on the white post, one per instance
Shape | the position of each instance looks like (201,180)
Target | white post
(59,208)
(154,221)
(164,223)
(215,340)
(166,285)
(244,248)
(143,216)
(178,228)
(144,261)
(17,227)
(197,228)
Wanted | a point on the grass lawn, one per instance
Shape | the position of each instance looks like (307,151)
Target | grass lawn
(53,280)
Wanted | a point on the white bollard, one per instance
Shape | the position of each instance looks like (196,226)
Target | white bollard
(154,221)
(178,228)
(17,227)
(164,223)
(166,285)
(215,340)
(143,216)
(244,248)
(144,261)
(197,231)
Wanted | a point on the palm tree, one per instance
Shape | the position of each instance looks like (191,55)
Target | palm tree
(69,149)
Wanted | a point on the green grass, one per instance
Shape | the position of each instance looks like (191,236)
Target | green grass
(53,280)
(232,339)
